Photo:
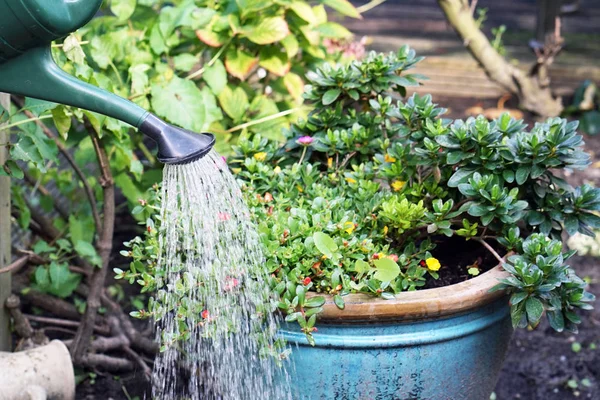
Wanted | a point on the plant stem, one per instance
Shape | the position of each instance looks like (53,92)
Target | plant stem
(369,6)
(303,154)
(24,121)
(261,120)
(491,250)
(196,74)
(147,153)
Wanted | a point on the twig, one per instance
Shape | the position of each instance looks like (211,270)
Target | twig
(139,360)
(101,330)
(261,120)
(491,250)
(21,324)
(81,342)
(61,147)
(473,6)
(107,363)
(15,266)
(196,74)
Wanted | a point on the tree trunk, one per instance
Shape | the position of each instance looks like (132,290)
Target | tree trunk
(5,238)
(532,89)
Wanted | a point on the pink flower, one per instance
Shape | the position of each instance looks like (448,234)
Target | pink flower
(305,140)
(224,216)
(230,284)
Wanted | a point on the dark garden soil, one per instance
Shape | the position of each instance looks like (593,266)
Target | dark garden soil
(541,365)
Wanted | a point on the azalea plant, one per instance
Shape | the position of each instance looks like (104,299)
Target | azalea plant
(368,191)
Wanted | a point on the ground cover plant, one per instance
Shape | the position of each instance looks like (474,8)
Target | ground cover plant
(364,188)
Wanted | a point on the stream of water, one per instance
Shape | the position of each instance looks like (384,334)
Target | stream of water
(212,286)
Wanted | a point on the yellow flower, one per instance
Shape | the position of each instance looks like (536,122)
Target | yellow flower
(350,180)
(277,169)
(349,226)
(433,264)
(262,156)
(385,230)
(389,158)
(398,185)
(299,188)
(329,162)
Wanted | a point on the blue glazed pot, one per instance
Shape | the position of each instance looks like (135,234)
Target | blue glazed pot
(436,344)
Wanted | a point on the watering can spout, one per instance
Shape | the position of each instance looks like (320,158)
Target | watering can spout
(35,74)
(27,28)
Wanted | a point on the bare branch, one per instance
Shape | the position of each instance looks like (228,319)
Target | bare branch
(533,94)
(96,282)
(15,266)
(491,250)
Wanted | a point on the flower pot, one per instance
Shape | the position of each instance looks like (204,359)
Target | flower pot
(434,344)
(41,373)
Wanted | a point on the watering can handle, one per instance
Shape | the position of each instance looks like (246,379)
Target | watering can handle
(35,74)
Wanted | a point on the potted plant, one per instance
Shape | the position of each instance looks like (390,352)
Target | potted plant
(404,247)
(394,237)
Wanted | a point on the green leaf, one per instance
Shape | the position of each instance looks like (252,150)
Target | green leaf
(81,229)
(182,103)
(294,85)
(518,297)
(535,309)
(333,30)
(274,60)
(215,76)
(556,320)
(234,102)
(461,175)
(455,157)
(185,62)
(339,302)
(386,269)
(343,7)
(522,175)
(316,301)
(123,9)
(361,267)
(86,250)
(325,244)
(42,277)
(12,169)
(240,63)
(59,274)
(269,30)
(571,224)
(62,121)
(304,11)
(331,95)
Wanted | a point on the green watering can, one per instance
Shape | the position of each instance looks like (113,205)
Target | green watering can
(27,28)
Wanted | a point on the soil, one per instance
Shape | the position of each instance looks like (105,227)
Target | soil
(457,255)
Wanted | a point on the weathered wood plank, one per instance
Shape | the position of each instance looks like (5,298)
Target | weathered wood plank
(5,239)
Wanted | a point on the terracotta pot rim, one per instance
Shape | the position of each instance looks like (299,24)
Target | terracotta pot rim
(417,305)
